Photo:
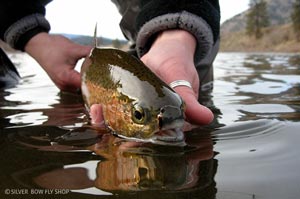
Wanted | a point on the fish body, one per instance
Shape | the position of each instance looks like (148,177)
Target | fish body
(135,102)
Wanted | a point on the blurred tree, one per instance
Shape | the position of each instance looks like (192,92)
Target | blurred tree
(257,18)
(296,18)
(116,43)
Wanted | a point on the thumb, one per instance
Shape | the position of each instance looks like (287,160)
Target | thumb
(82,51)
(96,113)
(72,77)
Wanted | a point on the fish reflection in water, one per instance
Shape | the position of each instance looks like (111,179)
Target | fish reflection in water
(125,165)
(155,168)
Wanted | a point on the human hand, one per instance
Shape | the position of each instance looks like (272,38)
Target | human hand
(171,57)
(58,56)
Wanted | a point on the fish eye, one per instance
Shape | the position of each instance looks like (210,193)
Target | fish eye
(138,114)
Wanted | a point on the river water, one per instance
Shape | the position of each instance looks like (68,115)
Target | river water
(49,150)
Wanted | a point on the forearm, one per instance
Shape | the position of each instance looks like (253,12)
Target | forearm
(171,48)
(199,18)
(37,45)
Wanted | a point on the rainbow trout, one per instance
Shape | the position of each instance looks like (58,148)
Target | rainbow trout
(136,104)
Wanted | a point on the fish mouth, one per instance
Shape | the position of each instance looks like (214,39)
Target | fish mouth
(170,123)
(170,117)
(170,135)
(170,132)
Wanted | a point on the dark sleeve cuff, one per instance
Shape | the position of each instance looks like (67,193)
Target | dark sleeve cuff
(183,20)
(19,33)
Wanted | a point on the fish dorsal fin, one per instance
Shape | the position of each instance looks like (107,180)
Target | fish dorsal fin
(95,37)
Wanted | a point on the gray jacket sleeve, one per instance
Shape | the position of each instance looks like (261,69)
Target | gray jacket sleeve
(142,20)
(21,20)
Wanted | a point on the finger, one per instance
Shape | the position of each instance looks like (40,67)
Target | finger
(74,76)
(96,114)
(82,51)
(195,112)
(71,80)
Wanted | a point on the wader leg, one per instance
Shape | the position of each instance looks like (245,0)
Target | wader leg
(9,75)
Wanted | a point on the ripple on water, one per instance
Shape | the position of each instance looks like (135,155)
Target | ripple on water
(267,108)
(53,138)
(264,87)
(247,129)
(100,141)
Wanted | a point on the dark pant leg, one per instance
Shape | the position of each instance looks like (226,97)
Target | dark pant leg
(9,75)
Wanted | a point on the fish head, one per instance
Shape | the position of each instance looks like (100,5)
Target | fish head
(139,121)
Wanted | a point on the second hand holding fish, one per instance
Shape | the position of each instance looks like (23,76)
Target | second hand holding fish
(171,57)
(58,56)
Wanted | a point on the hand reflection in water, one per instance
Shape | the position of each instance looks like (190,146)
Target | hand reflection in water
(66,112)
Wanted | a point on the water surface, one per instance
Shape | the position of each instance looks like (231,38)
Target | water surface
(250,150)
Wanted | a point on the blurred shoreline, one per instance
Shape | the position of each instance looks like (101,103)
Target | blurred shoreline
(279,38)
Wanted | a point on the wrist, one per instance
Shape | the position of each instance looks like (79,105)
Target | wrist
(172,53)
(36,43)
(182,38)
(173,47)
